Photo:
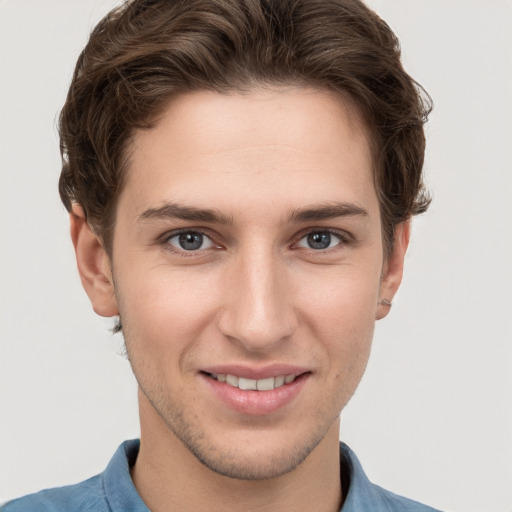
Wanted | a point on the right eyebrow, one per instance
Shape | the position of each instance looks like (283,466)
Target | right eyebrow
(176,211)
(327,211)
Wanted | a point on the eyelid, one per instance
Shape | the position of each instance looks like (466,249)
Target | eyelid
(344,237)
(164,240)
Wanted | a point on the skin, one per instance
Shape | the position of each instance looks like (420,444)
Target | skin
(255,294)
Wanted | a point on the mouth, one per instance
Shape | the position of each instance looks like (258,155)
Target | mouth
(245,384)
(256,392)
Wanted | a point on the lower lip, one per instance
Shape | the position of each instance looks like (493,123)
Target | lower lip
(256,402)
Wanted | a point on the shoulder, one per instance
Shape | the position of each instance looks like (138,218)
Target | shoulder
(362,494)
(112,489)
(87,496)
(396,503)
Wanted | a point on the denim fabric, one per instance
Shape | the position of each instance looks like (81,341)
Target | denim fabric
(113,490)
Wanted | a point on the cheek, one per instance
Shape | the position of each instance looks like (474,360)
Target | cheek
(346,292)
(340,310)
(165,310)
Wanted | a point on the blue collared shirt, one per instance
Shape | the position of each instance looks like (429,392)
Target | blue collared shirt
(113,490)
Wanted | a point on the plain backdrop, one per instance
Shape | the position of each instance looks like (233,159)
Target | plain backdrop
(432,418)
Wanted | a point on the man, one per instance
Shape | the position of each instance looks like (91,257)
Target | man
(240,177)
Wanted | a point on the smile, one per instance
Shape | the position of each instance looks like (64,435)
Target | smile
(256,391)
(266,384)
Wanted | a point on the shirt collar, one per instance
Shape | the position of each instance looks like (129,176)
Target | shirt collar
(360,493)
(119,489)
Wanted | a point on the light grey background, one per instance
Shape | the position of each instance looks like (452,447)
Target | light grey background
(432,418)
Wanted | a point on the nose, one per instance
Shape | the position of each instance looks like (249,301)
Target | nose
(258,310)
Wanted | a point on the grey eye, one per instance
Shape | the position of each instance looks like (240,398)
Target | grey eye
(319,240)
(190,241)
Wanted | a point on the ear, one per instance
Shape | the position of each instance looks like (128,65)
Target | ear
(392,270)
(93,264)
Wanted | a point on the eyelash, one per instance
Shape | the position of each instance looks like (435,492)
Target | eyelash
(343,237)
(184,253)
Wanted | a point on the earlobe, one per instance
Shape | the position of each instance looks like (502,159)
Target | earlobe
(393,269)
(93,265)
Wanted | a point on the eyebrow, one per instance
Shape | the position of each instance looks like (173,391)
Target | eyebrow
(311,213)
(176,211)
(328,211)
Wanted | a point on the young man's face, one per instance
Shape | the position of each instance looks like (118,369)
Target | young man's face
(248,248)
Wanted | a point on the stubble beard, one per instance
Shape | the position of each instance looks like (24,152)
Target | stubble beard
(222,460)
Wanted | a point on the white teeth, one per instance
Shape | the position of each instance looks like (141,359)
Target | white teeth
(265,384)
(232,380)
(279,381)
(252,384)
(246,383)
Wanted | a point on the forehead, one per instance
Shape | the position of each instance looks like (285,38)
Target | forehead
(268,149)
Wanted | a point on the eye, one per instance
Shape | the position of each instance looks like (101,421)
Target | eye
(190,241)
(319,240)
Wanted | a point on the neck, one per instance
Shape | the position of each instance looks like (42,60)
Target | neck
(169,477)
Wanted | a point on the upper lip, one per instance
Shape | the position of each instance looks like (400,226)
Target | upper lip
(256,373)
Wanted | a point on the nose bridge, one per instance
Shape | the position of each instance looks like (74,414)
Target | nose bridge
(260,311)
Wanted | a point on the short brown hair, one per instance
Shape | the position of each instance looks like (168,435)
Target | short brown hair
(145,51)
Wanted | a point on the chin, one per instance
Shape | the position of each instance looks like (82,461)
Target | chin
(258,463)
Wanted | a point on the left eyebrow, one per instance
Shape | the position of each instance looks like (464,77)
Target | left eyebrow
(327,211)
(176,211)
